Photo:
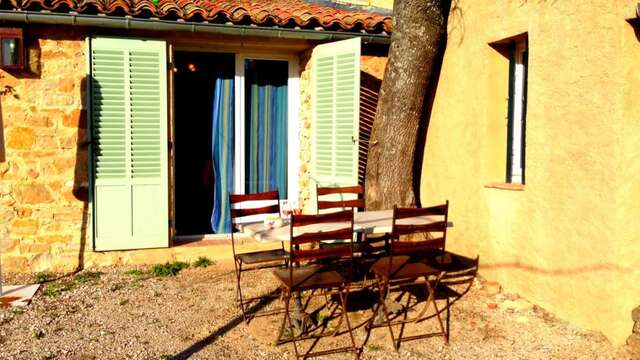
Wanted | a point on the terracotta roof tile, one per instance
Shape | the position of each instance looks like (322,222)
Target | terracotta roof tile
(285,13)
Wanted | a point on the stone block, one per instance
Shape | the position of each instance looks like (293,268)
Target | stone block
(38,119)
(24,212)
(47,142)
(75,119)
(54,238)
(21,139)
(26,226)
(5,188)
(64,164)
(8,245)
(67,214)
(13,263)
(33,193)
(37,248)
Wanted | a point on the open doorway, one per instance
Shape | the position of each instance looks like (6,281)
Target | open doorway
(195,80)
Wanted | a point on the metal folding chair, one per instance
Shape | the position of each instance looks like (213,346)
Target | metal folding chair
(253,207)
(350,197)
(398,269)
(305,274)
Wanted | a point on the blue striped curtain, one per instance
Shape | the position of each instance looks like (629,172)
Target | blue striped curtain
(266,121)
(222,152)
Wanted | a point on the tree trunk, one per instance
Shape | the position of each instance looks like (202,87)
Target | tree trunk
(419,26)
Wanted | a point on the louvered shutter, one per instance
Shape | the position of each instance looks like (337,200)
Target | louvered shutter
(129,122)
(336,89)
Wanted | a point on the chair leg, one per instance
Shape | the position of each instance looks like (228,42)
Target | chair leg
(382,287)
(238,276)
(446,336)
(287,316)
(431,299)
(343,300)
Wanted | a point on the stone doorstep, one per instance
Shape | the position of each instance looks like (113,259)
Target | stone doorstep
(17,295)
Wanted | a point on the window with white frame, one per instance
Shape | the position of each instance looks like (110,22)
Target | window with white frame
(517,112)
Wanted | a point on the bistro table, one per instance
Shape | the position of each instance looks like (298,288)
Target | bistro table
(370,222)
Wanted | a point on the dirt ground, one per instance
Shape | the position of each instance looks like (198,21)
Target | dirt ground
(117,313)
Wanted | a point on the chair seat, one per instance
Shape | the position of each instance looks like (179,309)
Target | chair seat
(308,277)
(258,257)
(381,266)
(400,269)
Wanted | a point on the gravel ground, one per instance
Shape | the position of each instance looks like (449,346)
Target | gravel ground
(112,313)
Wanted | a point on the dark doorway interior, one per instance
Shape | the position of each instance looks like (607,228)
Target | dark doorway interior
(194,178)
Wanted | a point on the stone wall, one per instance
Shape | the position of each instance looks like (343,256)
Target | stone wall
(43,181)
(44,211)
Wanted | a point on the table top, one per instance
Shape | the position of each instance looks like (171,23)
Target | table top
(373,222)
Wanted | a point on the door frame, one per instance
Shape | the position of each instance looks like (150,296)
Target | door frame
(293,126)
(293,121)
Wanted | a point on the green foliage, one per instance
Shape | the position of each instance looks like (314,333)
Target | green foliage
(88,276)
(123,302)
(49,356)
(322,319)
(203,262)
(136,272)
(42,277)
(374,347)
(169,269)
(55,290)
(52,290)
(17,311)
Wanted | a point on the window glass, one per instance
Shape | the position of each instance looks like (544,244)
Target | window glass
(266,126)
(10,55)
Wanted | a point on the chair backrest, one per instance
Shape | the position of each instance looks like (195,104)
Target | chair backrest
(251,208)
(340,198)
(308,231)
(406,221)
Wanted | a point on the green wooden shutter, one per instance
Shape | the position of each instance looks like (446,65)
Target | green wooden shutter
(336,102)
(129,122)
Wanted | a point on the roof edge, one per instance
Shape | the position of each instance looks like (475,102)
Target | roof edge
(131,23)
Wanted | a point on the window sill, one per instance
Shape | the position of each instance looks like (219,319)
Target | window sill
(505,186)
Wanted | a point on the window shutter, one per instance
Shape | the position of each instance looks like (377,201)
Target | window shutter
(129,122)
(336,85)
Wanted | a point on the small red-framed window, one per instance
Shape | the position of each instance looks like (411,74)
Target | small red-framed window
(12,48)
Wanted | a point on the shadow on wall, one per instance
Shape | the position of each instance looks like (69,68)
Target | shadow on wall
(81,172)
(635,24)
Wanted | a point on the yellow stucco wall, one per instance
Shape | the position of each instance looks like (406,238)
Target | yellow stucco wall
(569,241)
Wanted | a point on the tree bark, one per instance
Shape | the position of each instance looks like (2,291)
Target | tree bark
(419,26)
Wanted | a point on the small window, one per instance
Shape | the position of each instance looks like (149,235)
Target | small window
(11,48)
(517,112)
